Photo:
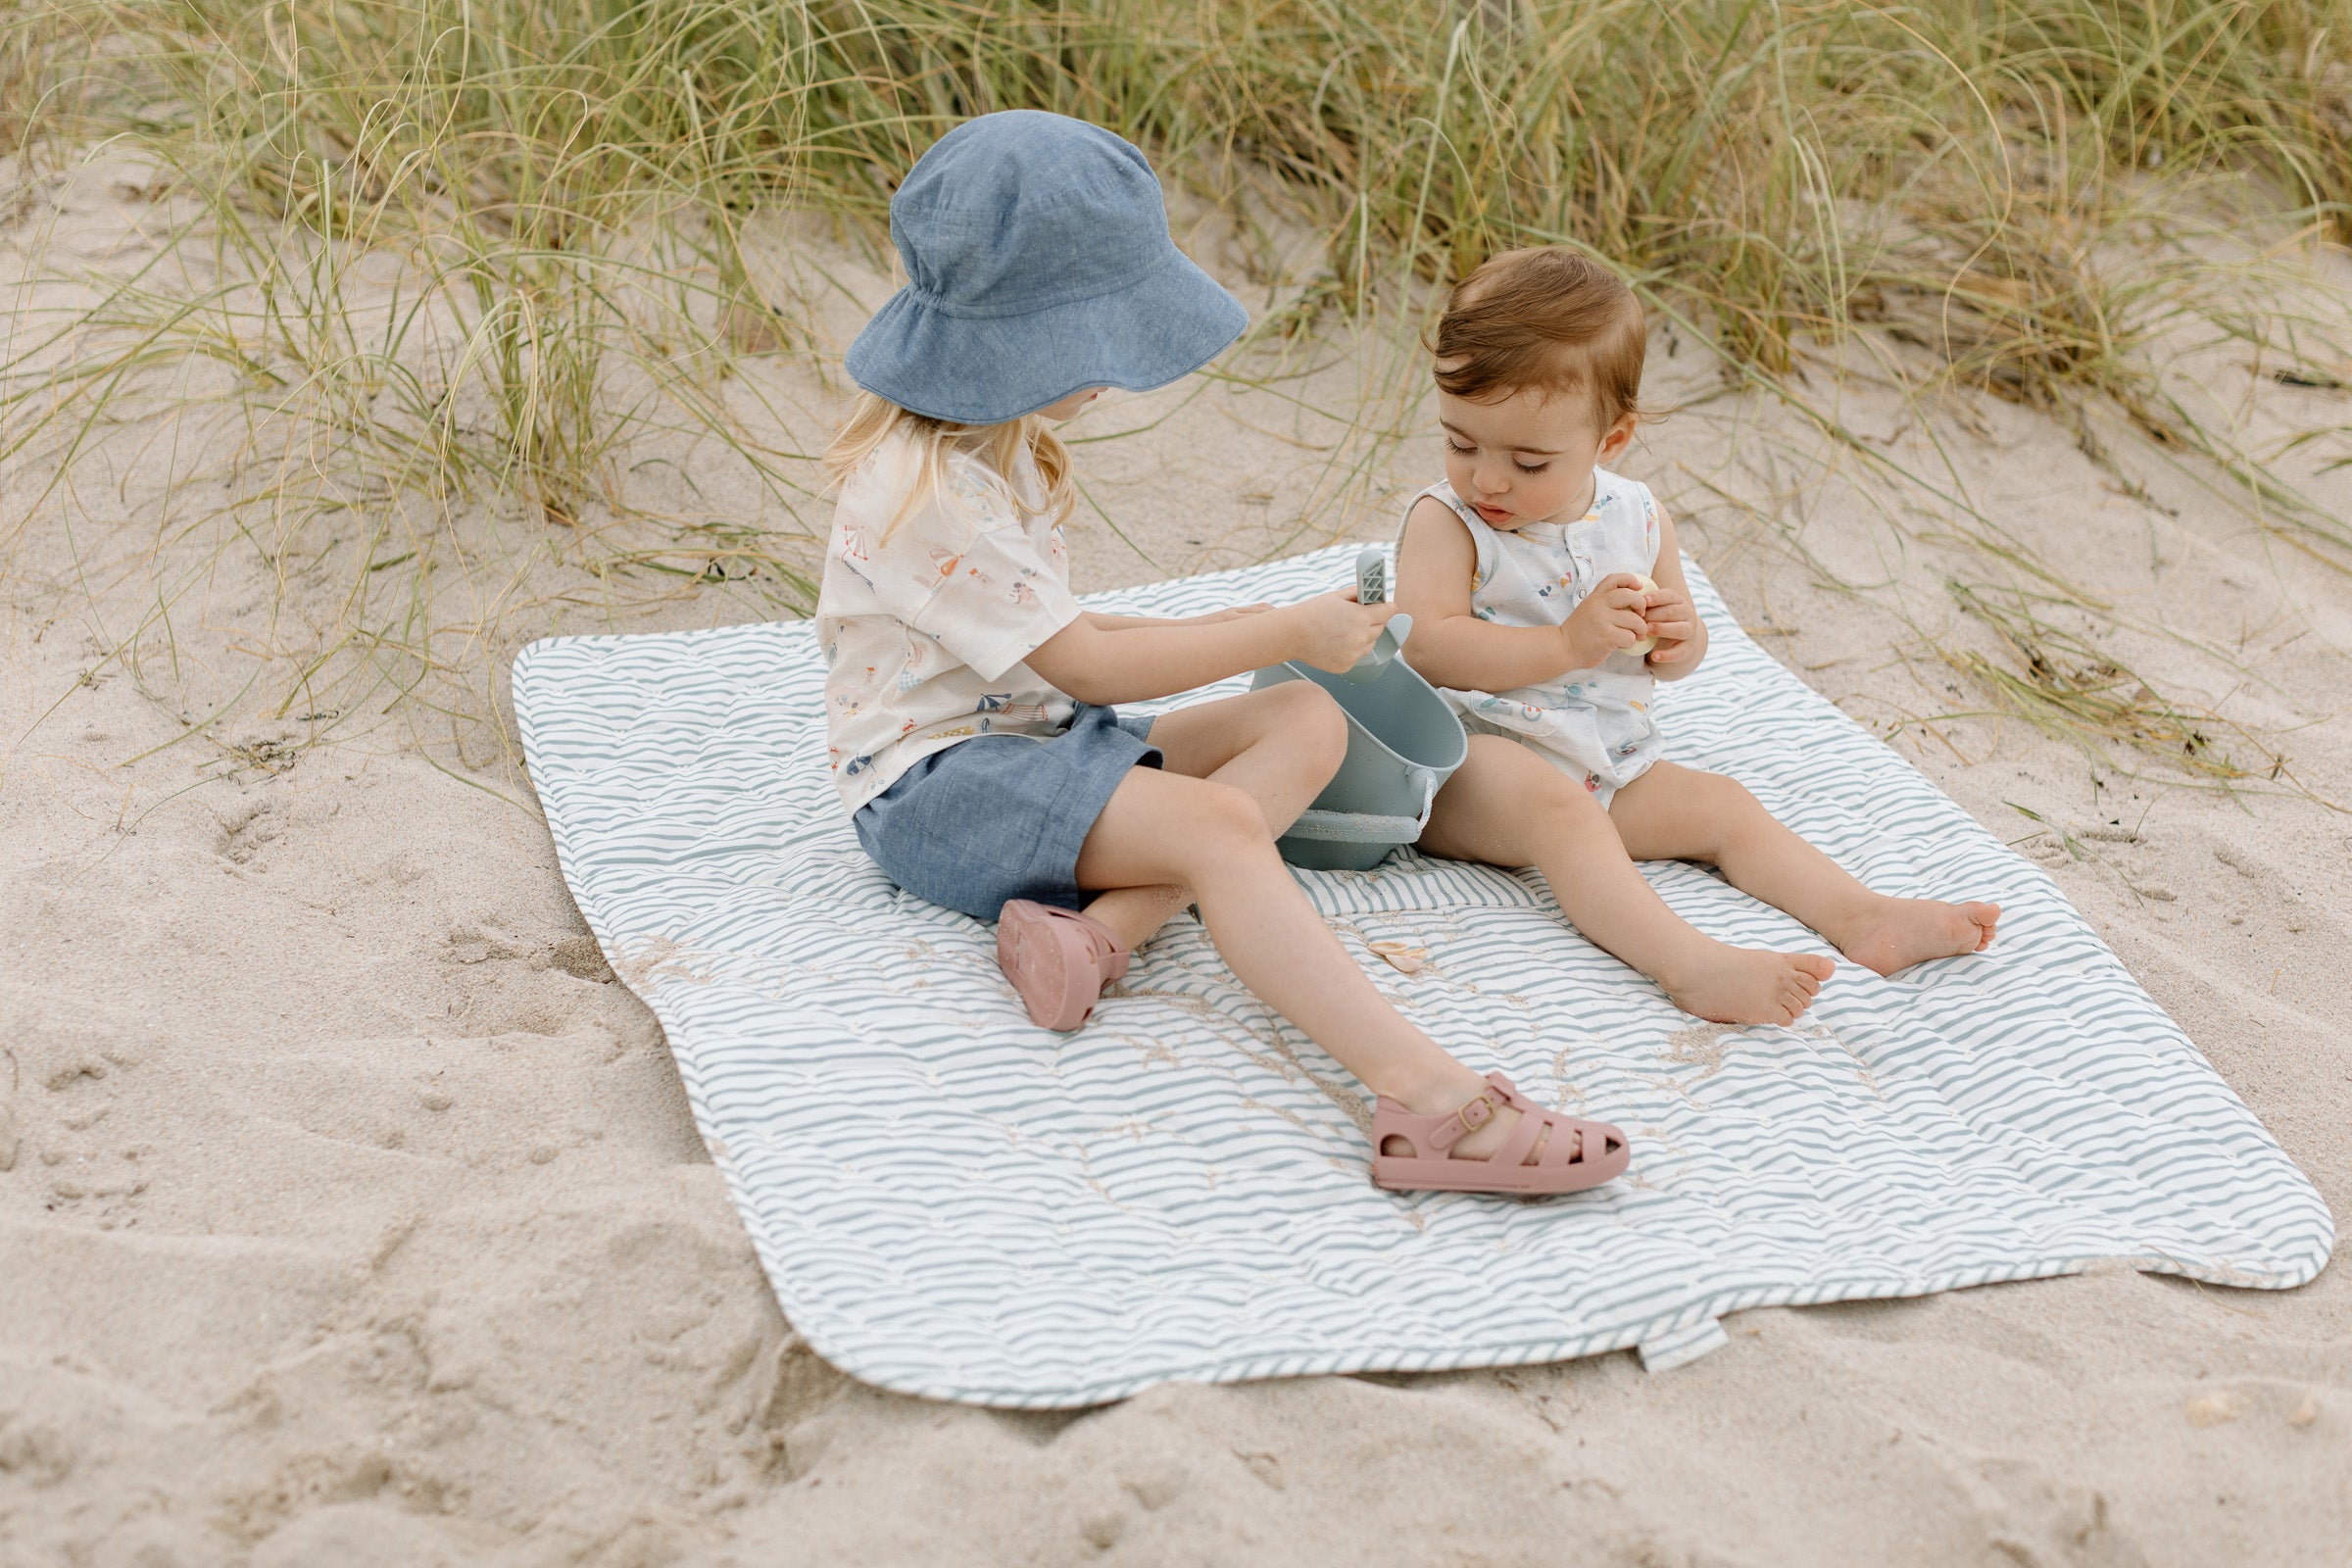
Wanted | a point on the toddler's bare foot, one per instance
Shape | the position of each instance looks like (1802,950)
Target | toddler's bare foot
(1898,933)
(1747,985)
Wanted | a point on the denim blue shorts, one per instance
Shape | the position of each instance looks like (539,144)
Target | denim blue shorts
(1003,816)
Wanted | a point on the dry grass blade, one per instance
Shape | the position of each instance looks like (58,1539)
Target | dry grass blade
(562,189)
(2067,687)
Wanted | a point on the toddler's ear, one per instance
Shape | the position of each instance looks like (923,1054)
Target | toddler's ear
(1620,436)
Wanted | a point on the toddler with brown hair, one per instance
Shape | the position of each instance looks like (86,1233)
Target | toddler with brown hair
(1547,597)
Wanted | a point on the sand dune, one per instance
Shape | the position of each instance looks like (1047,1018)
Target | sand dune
(350,1212)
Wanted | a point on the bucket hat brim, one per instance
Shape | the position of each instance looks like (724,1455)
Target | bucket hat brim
(982,368)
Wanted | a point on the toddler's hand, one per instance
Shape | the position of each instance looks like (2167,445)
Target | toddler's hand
(1674,622)
(1333,631)
(1608,621)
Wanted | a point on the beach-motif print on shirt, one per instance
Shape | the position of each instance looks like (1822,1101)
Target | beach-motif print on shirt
(926,613)
(1593,725)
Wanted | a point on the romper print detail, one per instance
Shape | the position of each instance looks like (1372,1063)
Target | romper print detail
(1593,725)
(925,618)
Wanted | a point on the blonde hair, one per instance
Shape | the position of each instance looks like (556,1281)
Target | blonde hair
(872,421)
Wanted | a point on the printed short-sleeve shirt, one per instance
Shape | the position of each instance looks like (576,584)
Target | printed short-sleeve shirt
(925,621)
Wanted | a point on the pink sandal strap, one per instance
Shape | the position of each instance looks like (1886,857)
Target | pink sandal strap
(1455,1125)
(1109,957)
(1521,1140)
(1574,1154)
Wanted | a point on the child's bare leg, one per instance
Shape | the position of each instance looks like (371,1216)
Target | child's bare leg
(1680,814)
(1278,746)
(1163,829)
(1506,806)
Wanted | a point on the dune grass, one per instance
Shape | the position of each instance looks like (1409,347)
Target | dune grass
(1945,187)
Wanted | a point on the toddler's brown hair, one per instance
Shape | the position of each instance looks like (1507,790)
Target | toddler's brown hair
(1547,317)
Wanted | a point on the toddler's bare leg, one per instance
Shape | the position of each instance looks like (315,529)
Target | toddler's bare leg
(1506,806)
(1681,813)
(1162,829)
(1278,745)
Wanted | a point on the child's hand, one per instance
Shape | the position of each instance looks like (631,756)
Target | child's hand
(1333,631)
(1674,621)
(1609,620)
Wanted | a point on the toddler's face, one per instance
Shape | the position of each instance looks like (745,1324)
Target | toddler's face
(1527,457)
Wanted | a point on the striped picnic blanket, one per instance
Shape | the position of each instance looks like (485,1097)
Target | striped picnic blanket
(954,1204)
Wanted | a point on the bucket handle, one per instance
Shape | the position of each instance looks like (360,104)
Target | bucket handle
(1357,827)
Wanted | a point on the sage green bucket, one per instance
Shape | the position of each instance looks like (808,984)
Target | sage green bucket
(1403,743)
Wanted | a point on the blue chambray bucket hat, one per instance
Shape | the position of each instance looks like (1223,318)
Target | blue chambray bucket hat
(1039,264)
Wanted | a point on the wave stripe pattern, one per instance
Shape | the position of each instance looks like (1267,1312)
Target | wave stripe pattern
(951,1202)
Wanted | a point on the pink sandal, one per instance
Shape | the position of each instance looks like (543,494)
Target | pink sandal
(1057,960)
(1601,1150)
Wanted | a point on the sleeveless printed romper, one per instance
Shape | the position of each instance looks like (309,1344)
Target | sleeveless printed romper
(1593,725)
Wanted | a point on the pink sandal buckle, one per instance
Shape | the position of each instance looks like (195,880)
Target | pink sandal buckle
(1482,1105)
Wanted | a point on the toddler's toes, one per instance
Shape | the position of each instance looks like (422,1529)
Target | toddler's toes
(1907,931)
(1747,985)
(1803,983)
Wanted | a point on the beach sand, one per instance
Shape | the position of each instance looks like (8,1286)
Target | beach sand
(350,1212)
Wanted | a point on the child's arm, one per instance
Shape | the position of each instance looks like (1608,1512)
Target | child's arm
(963,570)
(1672,618)
(1129,662)
(1452,647)
(1127,623)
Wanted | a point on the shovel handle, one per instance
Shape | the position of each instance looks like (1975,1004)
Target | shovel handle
(1391,638)
(1372,588)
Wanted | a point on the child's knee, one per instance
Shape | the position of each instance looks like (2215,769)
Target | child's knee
(1309,718)
(1733,811)
(1509,780)
(1221,821)
(1553,791)
(1554,806)
(1569,804)
(1732,799)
